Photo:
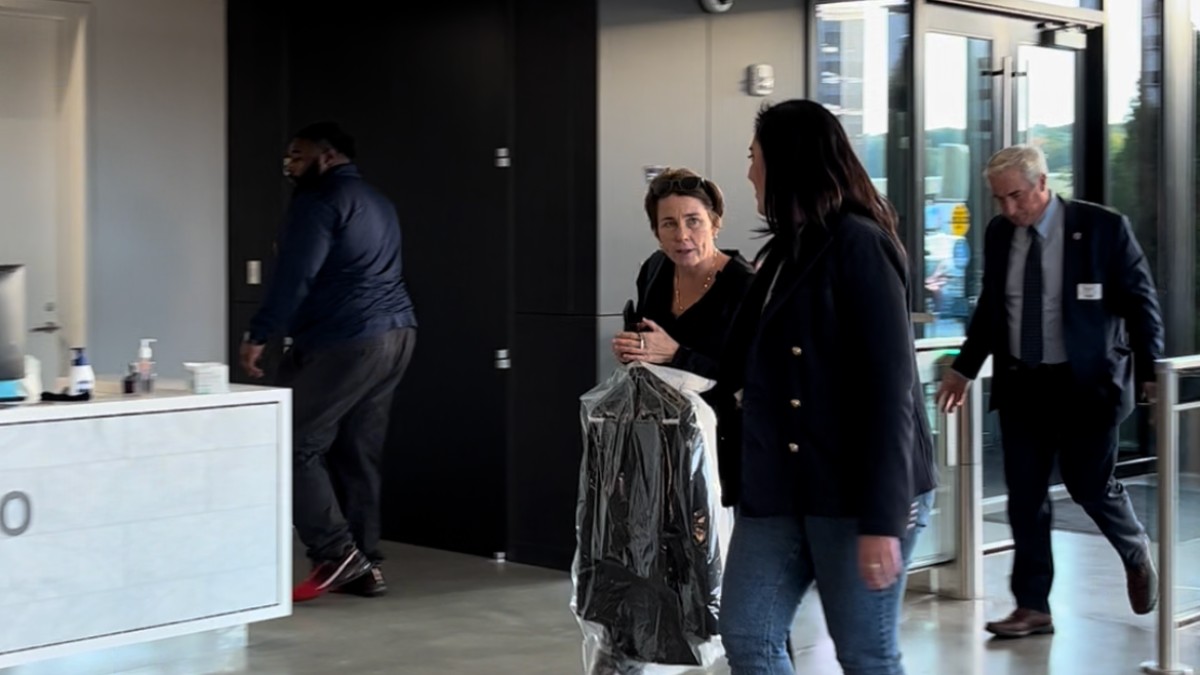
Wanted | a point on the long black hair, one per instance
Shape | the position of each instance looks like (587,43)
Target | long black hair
(812,173)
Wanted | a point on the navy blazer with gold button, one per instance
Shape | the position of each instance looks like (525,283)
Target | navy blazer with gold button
(827,371)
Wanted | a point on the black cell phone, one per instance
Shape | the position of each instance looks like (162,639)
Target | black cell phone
(632,320)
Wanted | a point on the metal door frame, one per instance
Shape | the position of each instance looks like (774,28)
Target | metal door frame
(1007,30)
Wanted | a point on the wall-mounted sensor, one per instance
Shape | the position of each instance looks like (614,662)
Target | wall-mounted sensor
(760,80)
(716,6)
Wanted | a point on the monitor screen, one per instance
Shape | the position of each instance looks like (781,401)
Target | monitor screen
(12,322)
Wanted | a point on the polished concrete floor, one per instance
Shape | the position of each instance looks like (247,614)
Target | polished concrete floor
(457,615)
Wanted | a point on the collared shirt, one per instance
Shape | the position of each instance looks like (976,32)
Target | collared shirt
(1051,228)
(340,274)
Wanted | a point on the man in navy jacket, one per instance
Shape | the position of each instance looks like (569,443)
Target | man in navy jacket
(339,293)
(1070,314)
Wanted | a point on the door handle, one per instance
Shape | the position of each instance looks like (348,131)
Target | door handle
(1003,104)
(1006,101)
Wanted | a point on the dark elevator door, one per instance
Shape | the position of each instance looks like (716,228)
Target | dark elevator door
(427,95)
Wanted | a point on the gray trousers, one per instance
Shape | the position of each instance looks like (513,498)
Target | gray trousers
(341,407)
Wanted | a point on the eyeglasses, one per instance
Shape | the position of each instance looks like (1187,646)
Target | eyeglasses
(686,184)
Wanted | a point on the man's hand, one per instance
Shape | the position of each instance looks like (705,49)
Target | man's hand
(879,561)
(1150,392)
(250,356)
(953,391)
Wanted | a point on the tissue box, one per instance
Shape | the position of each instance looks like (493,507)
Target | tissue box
(208,378)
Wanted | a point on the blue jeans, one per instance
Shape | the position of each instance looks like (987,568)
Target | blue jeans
(772,564)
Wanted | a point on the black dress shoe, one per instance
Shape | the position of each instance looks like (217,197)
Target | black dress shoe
(1022,623)
(1142,583)
(370,585)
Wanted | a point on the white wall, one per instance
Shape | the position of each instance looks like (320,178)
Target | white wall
(156,264)
(112,116)
(29,168)
(672,92)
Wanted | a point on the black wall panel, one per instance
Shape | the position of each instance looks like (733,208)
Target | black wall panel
(497,258)
(556,271)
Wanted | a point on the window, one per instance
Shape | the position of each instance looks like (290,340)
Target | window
(1134,85)
(1134,118)
(861,75)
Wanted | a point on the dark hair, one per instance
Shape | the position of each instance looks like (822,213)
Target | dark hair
(812,173)
(686,183)
(328,133)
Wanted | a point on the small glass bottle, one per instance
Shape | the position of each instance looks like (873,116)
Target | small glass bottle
(130,381)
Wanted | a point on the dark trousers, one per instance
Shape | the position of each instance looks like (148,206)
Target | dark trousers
(1045,417)
(341,405)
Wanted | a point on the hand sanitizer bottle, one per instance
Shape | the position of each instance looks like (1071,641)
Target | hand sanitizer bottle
(83,378)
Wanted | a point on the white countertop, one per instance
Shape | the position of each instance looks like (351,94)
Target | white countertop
(108,400)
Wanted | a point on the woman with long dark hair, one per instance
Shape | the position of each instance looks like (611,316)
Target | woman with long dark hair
(836,458)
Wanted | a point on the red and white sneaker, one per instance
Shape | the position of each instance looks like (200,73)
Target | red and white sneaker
(330,574)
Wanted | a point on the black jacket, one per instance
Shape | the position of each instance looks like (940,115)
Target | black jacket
(702,332)
(647,566)
(1108,340)
(834,415)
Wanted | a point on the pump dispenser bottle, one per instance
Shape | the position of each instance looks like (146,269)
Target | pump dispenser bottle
(83,378)
(146,365)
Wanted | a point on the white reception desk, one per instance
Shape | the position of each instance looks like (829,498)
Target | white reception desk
(126,520)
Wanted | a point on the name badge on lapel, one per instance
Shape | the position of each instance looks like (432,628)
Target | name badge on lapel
(1090,292)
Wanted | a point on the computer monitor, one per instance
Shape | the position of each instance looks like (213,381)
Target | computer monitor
(12,322)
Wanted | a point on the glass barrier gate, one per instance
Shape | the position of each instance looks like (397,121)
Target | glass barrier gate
(1176,530)
(948,560)
(949,556)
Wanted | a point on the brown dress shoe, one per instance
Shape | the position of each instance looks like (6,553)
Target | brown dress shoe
(1142,582)
(1022,623)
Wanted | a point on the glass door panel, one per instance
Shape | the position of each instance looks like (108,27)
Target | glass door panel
(987,84)
(1046,104)
(963,116)
(861,73)
(959,138)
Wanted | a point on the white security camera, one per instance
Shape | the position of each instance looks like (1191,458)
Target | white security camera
(716,6)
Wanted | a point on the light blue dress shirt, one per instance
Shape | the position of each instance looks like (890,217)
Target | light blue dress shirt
(1052,228)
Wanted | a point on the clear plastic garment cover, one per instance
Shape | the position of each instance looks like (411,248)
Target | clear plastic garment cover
(651,531)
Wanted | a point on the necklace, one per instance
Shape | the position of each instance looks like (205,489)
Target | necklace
(679,308)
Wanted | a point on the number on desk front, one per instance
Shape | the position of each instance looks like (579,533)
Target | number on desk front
(16,513)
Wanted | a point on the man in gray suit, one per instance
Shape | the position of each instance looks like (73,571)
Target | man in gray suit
(1070,314)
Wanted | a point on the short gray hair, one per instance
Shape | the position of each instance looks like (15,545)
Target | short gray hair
(1028,159)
